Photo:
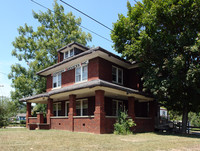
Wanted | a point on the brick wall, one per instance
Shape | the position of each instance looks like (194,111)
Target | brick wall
(109,124)
(60,123)
(84,124)
(49,83)
(135,79)
(93,69)
(32,120)
(68,78)
(99,68)
(144,125)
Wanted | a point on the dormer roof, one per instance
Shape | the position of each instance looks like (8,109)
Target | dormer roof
(73,45)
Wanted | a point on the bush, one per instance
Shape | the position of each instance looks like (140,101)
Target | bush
(123,125)
(23,122)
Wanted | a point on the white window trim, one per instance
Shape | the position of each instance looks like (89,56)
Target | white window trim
(68,53)
(81,107)
(117,79)
(117,106)
(81,74)
(66,111)
(57,81)
(57,107)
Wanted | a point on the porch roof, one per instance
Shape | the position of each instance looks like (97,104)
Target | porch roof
(91,85)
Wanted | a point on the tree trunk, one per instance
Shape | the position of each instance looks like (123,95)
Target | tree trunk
(184,120)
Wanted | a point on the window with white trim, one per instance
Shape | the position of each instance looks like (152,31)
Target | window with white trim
(117,106)
(117,75)
(68,53)
(82,107)
(81,73)
(66,108)
(57,80)
(57,109)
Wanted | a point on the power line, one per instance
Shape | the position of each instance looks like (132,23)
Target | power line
(3,73)
(85,14)
(75,23)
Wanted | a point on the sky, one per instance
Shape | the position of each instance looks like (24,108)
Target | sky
(16,13)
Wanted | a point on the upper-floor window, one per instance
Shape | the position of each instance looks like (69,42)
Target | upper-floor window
(81,73)
(68,53)
(117,75)
(57,80)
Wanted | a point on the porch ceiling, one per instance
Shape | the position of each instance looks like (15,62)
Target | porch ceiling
(109,92)
(87,89)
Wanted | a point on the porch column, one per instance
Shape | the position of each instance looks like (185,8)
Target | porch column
(131,107)
(72,110)
(152,109)
(152,113)
(28,112)
(40,117)
(99,114)
(49,110)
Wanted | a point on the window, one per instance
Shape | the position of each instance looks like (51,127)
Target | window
(81,73)
(117,75)
(66,108)
(69,53)
(116,107)
(82,107)
(57,109)
(57,80)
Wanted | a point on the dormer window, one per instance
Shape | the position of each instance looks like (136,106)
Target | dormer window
(68,53)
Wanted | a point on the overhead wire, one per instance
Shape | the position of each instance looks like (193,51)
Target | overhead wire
(85,14)
(76,23)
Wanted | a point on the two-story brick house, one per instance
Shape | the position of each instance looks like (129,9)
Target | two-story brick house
(86,89)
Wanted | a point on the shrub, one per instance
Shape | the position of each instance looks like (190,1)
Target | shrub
(123,124)
(23,122)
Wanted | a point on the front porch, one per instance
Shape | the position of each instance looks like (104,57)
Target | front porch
(92,110)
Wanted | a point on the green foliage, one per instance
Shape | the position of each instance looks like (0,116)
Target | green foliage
(40,108)
(38,48)
(23,122)
(123,124)
(194,119)
(164,37)
(7,110)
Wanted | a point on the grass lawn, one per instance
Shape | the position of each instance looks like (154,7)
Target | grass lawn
(58,140)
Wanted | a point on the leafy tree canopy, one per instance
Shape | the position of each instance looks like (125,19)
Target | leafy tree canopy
(38,48)
(164,37)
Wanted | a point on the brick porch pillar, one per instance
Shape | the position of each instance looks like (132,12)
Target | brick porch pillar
(131,107)
(40,117)
(28,112)
(152,113)
(49,110)
(72,110)
(99,114)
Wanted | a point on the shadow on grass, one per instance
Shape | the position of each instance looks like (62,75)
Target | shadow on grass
(193,135)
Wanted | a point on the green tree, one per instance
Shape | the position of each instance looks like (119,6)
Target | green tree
(38,48)
(7,110)
(164,38)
